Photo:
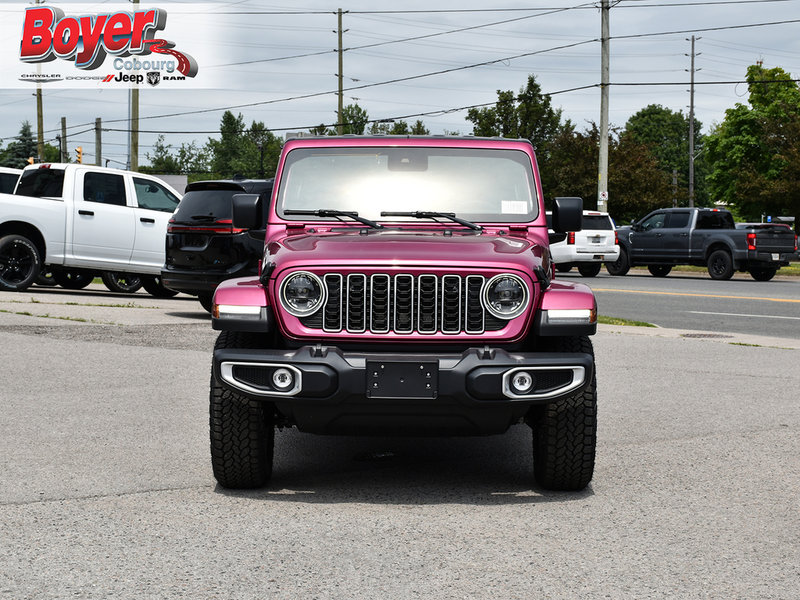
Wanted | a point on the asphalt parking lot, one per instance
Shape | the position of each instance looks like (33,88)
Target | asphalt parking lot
(108,493)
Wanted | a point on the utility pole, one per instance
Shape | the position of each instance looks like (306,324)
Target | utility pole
(602,171)
(340,110)
(691,126)
(64,151)
(98,143)
(134,151)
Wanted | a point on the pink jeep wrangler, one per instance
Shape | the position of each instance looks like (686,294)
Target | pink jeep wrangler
(406,288)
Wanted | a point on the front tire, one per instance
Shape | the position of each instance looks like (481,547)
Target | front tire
(589,269)
(621,266)
(153,286)
(565,432)
(242,431)
(206,301)
(659,270)
(720,265)
(763,274)
(123,283)
(19,263)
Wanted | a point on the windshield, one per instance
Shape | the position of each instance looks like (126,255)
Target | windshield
(475,184)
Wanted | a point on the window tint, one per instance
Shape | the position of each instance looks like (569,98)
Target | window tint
(206,205)
(678,220)
(654,222)
(154,196)
(714,220)
(7,182)
(597,222)
(41,183)
(104,188)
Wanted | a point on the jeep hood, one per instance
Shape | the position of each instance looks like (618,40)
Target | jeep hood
(406,249)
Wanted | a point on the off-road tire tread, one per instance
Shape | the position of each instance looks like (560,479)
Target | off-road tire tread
(565,432)
(242,431)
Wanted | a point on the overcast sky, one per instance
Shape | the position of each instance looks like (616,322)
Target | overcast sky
(649,45)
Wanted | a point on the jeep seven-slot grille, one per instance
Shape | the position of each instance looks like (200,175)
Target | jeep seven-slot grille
(404,304)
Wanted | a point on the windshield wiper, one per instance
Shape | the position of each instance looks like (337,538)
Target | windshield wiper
(428,214)
(332,212)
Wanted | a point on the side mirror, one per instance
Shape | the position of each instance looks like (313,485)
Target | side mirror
(567,214)
(248,211)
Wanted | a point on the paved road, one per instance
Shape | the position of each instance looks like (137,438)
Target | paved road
(107,489)
(695,301)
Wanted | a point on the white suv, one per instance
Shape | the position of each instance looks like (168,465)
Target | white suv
(596,243)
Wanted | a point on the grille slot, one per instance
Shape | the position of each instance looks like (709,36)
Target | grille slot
(403,304)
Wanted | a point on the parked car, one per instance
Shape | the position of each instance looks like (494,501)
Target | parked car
(405,289)
(596,243)
(78,220)
(203,247)
(704,237)
(8,179)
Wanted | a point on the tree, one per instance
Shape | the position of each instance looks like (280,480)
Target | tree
(17,153)
(354,119)
(418,128)
(528,115)
(636,187)
(754,154)
(250,152)
(666,133)
(162,160)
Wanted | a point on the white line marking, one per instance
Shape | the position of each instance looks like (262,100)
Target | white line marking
(698,312)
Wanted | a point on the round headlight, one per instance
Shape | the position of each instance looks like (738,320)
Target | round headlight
(505,296)
(302,294)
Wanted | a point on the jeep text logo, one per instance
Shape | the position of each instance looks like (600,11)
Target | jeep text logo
(48,34)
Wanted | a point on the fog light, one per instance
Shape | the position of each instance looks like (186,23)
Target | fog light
(282,379)
(521,382)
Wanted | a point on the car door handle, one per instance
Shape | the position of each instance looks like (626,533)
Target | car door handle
(88,213)
(659,235)
(684,235)
(146,220)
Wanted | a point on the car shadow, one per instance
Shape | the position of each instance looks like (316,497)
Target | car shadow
(491,470)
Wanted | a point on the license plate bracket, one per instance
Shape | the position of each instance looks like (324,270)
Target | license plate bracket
(393,380)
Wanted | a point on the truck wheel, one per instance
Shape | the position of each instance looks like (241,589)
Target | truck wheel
(565,432)
(242,430)
(206,301)
(659,270)
(123,283)
(720,265)
(621,266)
(19,263)
(153,286)
(563,268)
(45,278)
(73,279)
(764,274)
(589,269)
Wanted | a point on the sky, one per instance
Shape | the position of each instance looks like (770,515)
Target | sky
(277,63)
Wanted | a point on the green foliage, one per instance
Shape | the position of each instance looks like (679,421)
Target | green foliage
(755,152)
(354,119)
(17,153)
(188,159)
(636,183)
(666,133)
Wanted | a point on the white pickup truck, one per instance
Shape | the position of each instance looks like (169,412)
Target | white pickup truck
(74,219)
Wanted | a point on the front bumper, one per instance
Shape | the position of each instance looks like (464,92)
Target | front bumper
(331,391)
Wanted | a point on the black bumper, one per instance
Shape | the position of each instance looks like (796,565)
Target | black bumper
(411,393)
(199,282)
